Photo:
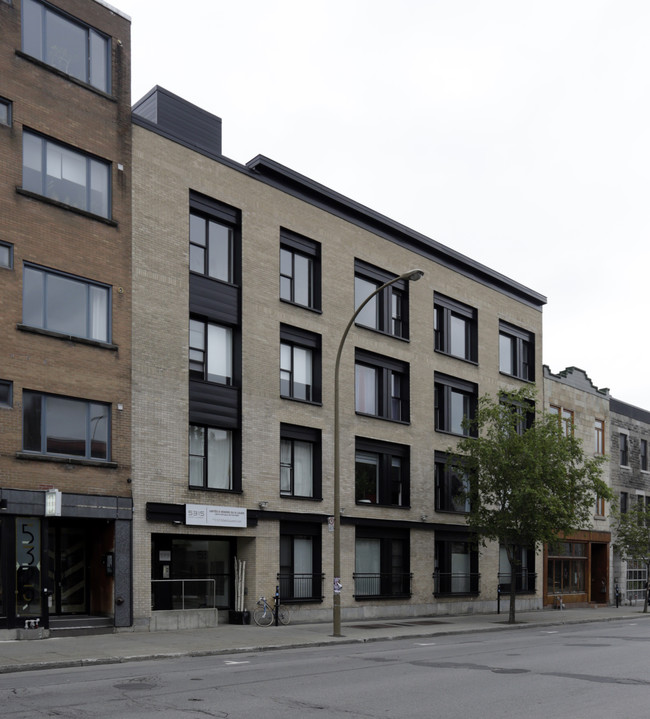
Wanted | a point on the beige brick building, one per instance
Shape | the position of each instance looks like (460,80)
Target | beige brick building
(252,272)
(578,567)
(65,313)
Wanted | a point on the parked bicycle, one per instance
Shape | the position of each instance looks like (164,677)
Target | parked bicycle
(265,613)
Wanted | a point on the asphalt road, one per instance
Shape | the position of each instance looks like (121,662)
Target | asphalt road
(594,670)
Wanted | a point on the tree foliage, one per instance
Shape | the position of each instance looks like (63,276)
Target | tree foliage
(632,532)
(527,485)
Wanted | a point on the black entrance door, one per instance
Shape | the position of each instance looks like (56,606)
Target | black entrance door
(68,569)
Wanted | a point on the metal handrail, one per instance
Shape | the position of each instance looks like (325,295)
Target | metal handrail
(447,583)
(300,586)
(382,584)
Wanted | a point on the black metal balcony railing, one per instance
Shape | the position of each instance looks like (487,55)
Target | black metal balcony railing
(525,582)
(449,583)
(300,587)
(375,584)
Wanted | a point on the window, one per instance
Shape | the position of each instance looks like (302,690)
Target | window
(386,312)
(516,352)
(300,577)
(300,364)
(70,305)
(623,449)
(567,568)
(299,270)
(210,458)
(599,436)
(524,570)
(564,418)
(523,413)
(211,248)
(210,352)
(5,112)
(455,404)
(63,426)
(66,175)
(600,506)
(623,502)
(381,563)
(66,44)
(6,393)
(643,455)
(455,328)
(300,461)
(381,386)
(381,473)
(6,255)
(456,564)
(451,486)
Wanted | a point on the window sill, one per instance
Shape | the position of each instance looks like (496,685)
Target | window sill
(459,513)
(68,338)
(63,206)
(300,498)
(514,376)
(380,597)
(220,490)
(386,419)
(316,310)
(313,403)
(626,467)
(66,460)
(64,75)
(368,503)
(456,357)
(382,332)
(456,594)
(454,434)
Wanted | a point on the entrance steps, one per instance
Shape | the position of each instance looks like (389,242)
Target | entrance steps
(75,625)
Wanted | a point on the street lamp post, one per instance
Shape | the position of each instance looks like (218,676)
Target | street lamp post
(412,276)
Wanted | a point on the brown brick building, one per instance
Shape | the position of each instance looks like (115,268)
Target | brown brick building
(65,312)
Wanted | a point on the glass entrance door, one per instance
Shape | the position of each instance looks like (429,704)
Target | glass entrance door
(68,569)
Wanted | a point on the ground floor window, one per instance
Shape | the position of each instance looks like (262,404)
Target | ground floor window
(636,579)
(382,564)
(567,568)
(456,565)
(190,572)
(524,574)
(300,577)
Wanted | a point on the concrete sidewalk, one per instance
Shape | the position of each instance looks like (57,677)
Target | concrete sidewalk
(61,652)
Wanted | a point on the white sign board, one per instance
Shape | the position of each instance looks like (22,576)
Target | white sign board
(210,516)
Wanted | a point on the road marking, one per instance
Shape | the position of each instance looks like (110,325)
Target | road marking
(425,644)
(549,632)
(227,662)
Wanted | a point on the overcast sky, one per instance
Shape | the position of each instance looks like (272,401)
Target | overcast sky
(514,131)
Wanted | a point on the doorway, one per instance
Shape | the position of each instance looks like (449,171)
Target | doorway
(68,569)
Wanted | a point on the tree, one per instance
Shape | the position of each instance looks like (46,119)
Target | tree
(528,482)
(632,531)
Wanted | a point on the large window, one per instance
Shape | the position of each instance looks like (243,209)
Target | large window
(381,564)
(300,577)
(210,458)
(210,352)
(300,363)
(516,352)
(381,386)
(564,418)
(455,328)
(567,568)
(66,44)
(63,426)
(381,473)
(456,564)
(66,175)
(524,573)
(299,270)
(451,486)
(386,312)
(70,305)
(455,404)
(211,248)
(300,461)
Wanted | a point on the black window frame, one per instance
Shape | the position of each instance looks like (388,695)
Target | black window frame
(643,455)
(10,256)
(298,246)
(87,78)
(623,502)
(523,351)
(309,586)
(38,424)
(388,583)
(8,104)
(623,449)
(295,337)
(8,393)
(47,273)
(235,485)
(444,386)
(388,322)
(386,369)
(387,486)
(296,433)
(44,191)
(444,579)
(445,309)
(523,413)
(203,374)
(447,481)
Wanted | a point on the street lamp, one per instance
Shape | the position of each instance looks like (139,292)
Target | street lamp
(412,276)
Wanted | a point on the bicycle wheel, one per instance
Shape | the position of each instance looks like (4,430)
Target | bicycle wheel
(263,616)
(284,615)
